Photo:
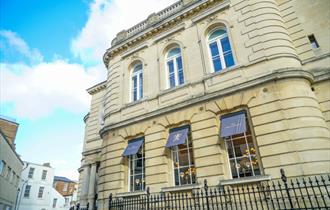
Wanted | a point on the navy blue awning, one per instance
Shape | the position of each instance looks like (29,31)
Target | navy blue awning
(133,147)
(177,137)
(233,124)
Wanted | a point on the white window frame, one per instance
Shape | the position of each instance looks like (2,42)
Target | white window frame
(129,169)
(221,53)
(138,83)
(176,150)
(175,65)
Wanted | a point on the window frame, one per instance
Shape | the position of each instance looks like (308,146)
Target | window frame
(220,49)
(31,172)
(254,141)
(44,175)
(65,187)
(175,68)
(176,150)
(27,191)
(143,169)
(54,202)
(139,83)
(41,192)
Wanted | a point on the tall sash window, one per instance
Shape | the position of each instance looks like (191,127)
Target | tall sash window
(174,67)
(137,82)
(220,50)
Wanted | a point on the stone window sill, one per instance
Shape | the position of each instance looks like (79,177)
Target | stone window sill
(131,194)
(133,103)
(180,188)
(246,180)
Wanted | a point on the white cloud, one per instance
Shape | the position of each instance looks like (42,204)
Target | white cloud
(38,90)
(16,42)
(106,19)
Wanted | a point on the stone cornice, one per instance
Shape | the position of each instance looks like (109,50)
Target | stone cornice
(157,27)
(278,74)
(91,152)
(97,88)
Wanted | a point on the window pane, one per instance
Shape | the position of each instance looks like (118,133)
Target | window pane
(134,88)
(170,65)
(180,70)
(214,49)
(227,52)
(233,169)
(192,162)
(217,33)
(138,169)
(141,85)
(215,56)
(229,59)
(173,52)
(183,158)
(176,177)
(138,182)
(240,147)
(185,175)
(225,44)
(175,160)
(137,67)
(244,167)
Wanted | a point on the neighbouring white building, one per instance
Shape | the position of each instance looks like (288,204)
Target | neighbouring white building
(37,192)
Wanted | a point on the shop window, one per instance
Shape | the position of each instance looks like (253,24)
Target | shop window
(180,142)
(136,164)
(242,153)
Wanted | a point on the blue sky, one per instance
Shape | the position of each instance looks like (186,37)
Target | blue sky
(50,53)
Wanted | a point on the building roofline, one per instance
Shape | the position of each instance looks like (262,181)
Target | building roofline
(96,88)
(156,22)
(11,120)
(11,146)
(37,164)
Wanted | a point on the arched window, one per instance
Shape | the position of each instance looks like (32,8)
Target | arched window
(220,49)
(137,82)
(174,68)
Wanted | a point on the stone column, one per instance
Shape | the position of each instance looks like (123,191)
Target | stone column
(84,190)
(91,186)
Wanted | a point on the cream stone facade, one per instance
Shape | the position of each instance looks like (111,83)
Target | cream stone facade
(279,75)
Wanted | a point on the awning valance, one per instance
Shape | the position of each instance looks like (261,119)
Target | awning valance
(233,124)
(133,146)
(177,137)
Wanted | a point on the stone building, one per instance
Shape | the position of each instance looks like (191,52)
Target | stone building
(10,164)
(228,91)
